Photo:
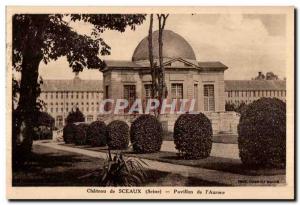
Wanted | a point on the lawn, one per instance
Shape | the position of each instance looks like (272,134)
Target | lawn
(51,167)
(214,163)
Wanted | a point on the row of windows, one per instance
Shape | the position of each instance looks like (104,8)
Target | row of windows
(72,95)
(72,103)
(262,93)
(83,109)
(129,92)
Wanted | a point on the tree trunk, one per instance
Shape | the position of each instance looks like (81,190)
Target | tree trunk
(27,106)
(152,68)
(162,84)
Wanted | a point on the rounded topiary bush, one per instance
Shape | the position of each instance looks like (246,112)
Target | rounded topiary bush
(80,134)
(68,133)
(97,134)
(146,134)
(117,135)
(193,136)
(262,133)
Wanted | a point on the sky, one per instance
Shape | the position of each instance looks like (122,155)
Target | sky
(246,43)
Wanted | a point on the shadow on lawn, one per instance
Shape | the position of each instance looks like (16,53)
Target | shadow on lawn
(50,167)
(224,164)
(215,163)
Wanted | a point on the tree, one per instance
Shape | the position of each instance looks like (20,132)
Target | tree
(239,108)
(230,106)
(45,119)
(260,76)
(15,91)
(151,60)
(268,76)
(271,76)
(75,116)
(46,37)
(158,88)
(162,18)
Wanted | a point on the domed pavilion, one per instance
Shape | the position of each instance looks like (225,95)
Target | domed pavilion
(186,78)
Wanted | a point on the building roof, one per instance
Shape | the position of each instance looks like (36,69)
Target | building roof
(243,85)
(75,84)
(174,46)
(211,66)
(203,66)
(121,64)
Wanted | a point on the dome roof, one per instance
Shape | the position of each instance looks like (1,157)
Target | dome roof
(174,46)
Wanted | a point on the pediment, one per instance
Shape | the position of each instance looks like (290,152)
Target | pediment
(179,62)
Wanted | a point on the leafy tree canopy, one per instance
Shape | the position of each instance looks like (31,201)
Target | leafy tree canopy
(46,37)
(43,118)
(51,36)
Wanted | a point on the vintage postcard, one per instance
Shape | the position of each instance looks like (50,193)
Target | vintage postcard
(157,103)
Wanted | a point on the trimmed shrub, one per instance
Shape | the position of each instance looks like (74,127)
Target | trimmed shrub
(262,133)
(80,134)
(193,136)
(117,135)
(97,134)
(75,116)
(146,134)
(68,133)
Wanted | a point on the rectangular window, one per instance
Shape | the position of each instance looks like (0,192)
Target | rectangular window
(147,91)
(196,96)
(130,95)
(177,91)
(209,98)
